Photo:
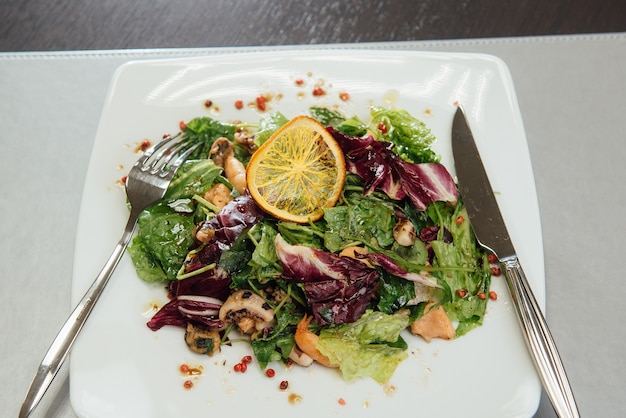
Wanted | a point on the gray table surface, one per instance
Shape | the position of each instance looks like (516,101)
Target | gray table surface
(571,93)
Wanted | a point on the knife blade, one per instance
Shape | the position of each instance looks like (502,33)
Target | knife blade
(491,233)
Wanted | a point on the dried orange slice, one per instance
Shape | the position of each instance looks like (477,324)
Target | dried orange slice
(297,172)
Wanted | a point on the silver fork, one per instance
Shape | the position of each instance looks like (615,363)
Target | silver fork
(146,184)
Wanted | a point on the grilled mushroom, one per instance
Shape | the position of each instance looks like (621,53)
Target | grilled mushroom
(248,310)
(202,340)
(404,232)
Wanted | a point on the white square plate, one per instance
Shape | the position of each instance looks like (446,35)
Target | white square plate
(119,368)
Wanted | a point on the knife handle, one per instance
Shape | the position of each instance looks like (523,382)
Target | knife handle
(540,342)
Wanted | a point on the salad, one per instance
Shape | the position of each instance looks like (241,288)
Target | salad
(394,259)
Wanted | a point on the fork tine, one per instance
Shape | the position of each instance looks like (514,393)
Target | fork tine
(165,154)
(173,167)
(163,147)
(163,159)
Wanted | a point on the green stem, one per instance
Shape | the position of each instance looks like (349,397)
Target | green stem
(196,272)
(206,203)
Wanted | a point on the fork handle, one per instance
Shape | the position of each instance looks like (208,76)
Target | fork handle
(540,342)
(63,342)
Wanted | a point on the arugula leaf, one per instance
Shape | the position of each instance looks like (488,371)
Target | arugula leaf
(471,267)
(277,345)
(309,235)
(362,218)
(350,126)
(253,256)
(235,261)
(264,254)
(395,293)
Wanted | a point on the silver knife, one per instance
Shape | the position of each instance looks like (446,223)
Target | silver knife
(491,233)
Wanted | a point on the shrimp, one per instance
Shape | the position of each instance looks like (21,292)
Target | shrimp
(307,342)
(223,152)
(236,174)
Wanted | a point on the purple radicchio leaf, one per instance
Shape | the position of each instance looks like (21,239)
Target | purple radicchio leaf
(227,226)
(338,289)
(213,283)
(167,315)
(369,159)
(199,293)
(381,168)
(199,310)
(232,220)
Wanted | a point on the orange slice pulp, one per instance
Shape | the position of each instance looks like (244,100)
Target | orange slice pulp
(297,172)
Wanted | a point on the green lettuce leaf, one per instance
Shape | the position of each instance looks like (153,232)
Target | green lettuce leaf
(268,125)
(410,135)
(326,116)
(370,347)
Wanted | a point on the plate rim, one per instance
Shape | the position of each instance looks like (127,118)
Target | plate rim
(499,63)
